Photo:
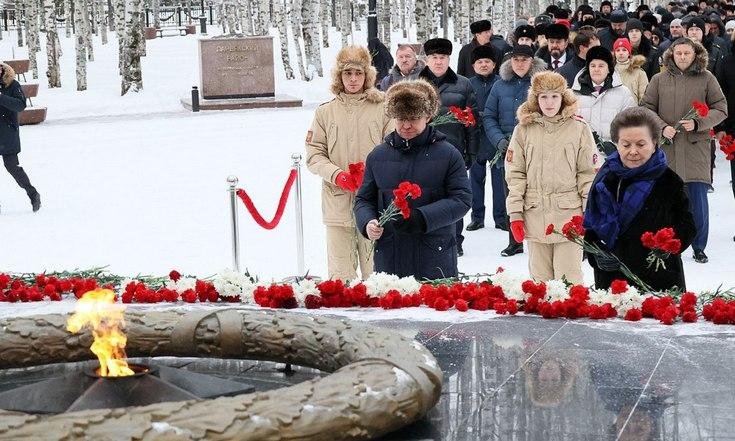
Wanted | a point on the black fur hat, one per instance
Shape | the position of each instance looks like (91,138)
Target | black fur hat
(600,53)
(438,46)
(484,51)
(480,26)
(557,31)
(525,31)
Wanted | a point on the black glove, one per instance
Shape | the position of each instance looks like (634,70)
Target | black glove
(415,224)
(607,263)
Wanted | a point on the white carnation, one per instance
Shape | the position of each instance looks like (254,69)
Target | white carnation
(182,284)
(556,290)
(230,283)
(304,288)
(512,286)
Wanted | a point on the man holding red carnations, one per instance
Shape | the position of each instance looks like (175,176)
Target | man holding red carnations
(686,139)
(343,132)
(419,173)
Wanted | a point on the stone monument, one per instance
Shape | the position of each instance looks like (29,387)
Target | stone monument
(238,73)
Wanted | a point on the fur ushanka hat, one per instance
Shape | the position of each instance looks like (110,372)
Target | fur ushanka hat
(411,100)
(549,81)
(352,57)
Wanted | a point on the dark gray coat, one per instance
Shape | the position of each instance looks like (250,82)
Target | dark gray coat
(12,101)
(464,62)
(432,163)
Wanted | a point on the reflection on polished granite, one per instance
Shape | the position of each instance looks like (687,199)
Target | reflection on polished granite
(529,379)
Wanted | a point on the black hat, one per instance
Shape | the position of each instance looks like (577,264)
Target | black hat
(606,3)
(696,22)
(480,26)
(650,18)
(692,8)
(643,7)
(522,49)
(484,51)
(551,9)
(600,53)
(438,46)
(618,16)
(634,23)
(558,31)
(561,14)
(525,31)
(602,23)
(586,9)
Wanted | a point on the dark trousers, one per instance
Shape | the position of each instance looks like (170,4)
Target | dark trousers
(478,178)
(16,171)
(698,203)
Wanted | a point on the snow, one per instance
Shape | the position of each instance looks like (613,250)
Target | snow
(139,184)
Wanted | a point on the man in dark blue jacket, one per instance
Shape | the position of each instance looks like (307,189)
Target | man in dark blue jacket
(484,59)
(454,90)
(423,245)
(12,101)
(499,117)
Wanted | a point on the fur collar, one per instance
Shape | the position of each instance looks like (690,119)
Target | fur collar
(698,66)
(507,74)
(8,74)
(633,63)
(449,77)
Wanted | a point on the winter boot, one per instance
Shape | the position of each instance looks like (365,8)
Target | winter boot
(513,247)
(36,202)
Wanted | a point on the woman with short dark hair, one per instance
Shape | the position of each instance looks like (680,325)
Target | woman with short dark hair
(635,192)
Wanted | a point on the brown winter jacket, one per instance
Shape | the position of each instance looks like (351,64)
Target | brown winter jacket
(343,132)
(670,95)
(549,168)
(633,76)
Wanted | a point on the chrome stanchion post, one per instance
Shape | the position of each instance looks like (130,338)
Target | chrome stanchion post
(299,217)
(232,181)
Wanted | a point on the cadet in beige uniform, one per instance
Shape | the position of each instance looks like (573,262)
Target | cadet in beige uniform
(343,132)
(549,168)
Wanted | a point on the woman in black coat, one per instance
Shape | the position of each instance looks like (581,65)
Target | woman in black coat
(12,101)
(424,245)
(634,192)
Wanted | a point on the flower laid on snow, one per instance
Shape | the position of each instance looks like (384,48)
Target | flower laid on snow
(378,284)
(512,286)
(662,245)
(556,290)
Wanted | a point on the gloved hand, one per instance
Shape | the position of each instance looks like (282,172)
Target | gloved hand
(607,263)
(518,229)
(503,144)
(415,224)
(345,181)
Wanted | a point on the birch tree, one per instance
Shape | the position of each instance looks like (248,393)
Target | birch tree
(295,16)
(102,26)
(81,45)
(19,7)
(404,14)
(384,20)
(422,21)
(132,78)
(53,48)
(141,28)
(68,19)
(32,13)
(119,6)
(324,19)
(280,17)
(345,23)
(264,16)
(312,51)
(87,31)
(156,5)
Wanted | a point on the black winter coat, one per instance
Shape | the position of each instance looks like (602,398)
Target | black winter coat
(464,63)
(544,54)
(12,101)
(727,83)
(432,163)
(482,86)
(456,90)
(607,37)
(570,70)
(666,206)
(382,59)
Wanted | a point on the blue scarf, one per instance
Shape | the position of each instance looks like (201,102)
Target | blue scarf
(607,216)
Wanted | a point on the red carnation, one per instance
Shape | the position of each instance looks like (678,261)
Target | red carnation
(689,317)
(633,315)
(701,108)
(174,275)
(461,305)
(662,245)
(618,286)
(549,229)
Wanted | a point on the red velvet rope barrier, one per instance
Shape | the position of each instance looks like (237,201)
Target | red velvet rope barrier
(281,204)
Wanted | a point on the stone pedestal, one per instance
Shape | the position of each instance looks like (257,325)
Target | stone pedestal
(237,73)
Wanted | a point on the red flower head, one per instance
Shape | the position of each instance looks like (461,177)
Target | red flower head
(648,240)
(618,286)
(174,275)
(701,108)
(357,172)
(549,229)
(573,228)
(633,315)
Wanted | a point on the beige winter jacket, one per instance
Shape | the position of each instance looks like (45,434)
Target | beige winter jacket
(344,131)
(670,95)
(549,168)
(633,76)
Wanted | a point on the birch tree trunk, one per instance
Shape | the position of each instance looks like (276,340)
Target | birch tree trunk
(132,78)
(253,18)
(324,15)
(102,17)
(384,19)
(81,45)
(312,52)
(68,7)
(404,13)
(87,31)
(53,48)
(141,28)
(433,17)
(93,22)
(156,5)
(295,14)
(281,23)
(19,7)
(464,18)
(120,32)
(422,21)
(264,16)
(244,17)
(32,13)
(345,24)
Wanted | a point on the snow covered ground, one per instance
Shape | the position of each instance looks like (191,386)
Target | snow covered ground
(138,183)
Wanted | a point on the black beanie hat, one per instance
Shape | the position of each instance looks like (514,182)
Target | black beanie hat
(438,46)
(600,53)
(634,23)
(618,16)
(480,26)
(558,31)
(605,3)
(484,51)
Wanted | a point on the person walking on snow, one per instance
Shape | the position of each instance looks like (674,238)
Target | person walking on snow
(12,102)
(343,132)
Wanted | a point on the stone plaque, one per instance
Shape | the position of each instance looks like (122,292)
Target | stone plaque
(236,67)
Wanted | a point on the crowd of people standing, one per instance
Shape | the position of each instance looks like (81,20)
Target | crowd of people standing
(578,113)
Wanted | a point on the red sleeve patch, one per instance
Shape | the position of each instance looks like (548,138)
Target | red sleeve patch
(309,134)
(509,156)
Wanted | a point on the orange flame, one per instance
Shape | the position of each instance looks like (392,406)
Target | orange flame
(98,310)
